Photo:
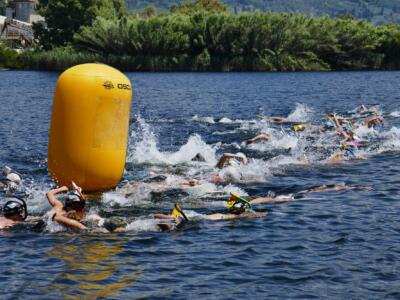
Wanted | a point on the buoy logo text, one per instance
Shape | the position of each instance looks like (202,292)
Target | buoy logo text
(123,86)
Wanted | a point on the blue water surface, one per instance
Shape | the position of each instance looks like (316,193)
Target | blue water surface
(345,245)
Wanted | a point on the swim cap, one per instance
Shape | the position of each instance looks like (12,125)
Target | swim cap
(15,207)
(74,201)
(298,127)
(13,177)
(177,212)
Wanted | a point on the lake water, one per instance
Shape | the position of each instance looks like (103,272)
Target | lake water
(341,245)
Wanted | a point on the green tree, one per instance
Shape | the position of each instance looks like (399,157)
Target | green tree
(64,18)
(9,58)
(149,11)
(3,5)
(190,7)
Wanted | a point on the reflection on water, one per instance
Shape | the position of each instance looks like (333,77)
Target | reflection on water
(93,268)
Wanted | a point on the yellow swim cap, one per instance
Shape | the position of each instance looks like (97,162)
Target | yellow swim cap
(299,127)
(232,200)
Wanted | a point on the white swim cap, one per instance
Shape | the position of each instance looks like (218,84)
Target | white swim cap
(13,177)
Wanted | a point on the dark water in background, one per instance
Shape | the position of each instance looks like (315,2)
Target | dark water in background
(345,245)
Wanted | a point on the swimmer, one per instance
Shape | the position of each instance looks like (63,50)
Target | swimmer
(335,188)
(363,109)
(301,195)
(177,219)
(373,121)
(228,158)
(260,137)
(10,180)
(133,186)
(14,212)
(71,213)
(348,152)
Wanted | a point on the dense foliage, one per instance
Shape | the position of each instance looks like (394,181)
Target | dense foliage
(212,41)
(203,35)
(375,11)
(64,18)
(9,58)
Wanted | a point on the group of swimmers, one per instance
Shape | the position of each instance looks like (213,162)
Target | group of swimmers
(69,210)
(344,126)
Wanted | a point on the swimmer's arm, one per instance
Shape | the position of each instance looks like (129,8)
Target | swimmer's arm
(336,122)
(51,196)
(163,216)
(278,119)
(217,217)
(69,222)
(260,137)
(263,200)
(223,159)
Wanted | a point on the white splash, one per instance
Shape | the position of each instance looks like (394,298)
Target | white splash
(201,190)
(208,120)
(302,113)
(143,225)
(363,131)
(256,170)
(37,201)
(230,188)
(145,149)
(392,142)
(127,197)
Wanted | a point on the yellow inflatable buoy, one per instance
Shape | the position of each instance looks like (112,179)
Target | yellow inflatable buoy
(89,127)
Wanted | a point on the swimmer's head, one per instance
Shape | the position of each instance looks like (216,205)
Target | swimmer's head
(298,127)
(193,182)
(14,178)
(177,212)
(11,176)
(115,223)
(237,205)
(74,201)
(15,210)
(198,157)
(242,157)
(237,208)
